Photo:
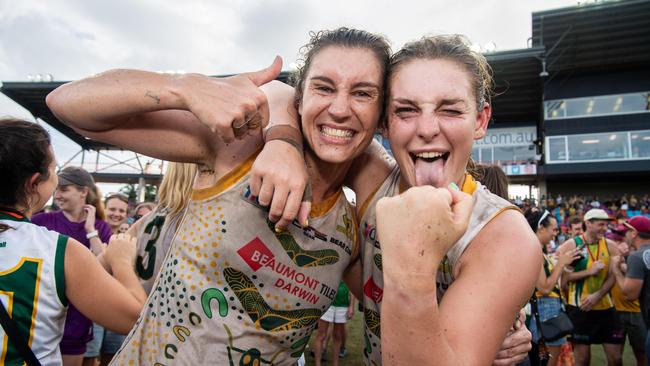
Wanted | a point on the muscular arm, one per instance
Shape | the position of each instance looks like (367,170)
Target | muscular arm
(138,110)
(135,110)
(477,296)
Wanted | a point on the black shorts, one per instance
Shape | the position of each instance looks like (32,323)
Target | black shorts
(595,326)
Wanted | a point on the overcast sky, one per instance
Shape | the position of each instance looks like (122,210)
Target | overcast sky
(70,39)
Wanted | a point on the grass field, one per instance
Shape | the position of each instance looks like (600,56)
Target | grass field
(355,348)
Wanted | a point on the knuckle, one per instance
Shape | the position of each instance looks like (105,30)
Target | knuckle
(297,186)
(264,201)
(239,114)
(289,214)
(250,104)
(275,212)
(260,97)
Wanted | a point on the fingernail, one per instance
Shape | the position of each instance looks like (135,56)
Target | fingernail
(306,223)
(454,186)
(278,230)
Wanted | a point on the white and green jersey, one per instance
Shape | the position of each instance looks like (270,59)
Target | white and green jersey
(32,288)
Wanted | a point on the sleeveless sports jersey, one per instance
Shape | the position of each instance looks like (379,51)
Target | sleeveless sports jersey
(578,290)
(32,288)
(486,207)
(232,291)
(154,238)
(549,264)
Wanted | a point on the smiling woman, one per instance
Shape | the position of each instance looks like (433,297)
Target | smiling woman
(437,106)
(117,206)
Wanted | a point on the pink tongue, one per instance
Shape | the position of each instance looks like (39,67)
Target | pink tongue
(429,173)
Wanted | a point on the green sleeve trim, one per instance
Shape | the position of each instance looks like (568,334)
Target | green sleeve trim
(59,270)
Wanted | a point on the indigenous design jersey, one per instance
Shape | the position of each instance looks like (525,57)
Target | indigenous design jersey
(578,290)
(232,291)
(32,288)
(486,207)
(154,238)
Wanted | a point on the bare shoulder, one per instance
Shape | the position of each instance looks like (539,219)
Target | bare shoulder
(506,237)
(504,254)
(567,245)
(611,246)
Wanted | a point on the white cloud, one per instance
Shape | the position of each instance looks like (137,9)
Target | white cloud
(71,39)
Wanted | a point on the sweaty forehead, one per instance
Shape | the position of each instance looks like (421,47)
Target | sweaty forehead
(343,64)
(431,81)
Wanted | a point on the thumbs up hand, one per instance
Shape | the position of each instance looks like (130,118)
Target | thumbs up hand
(230,106)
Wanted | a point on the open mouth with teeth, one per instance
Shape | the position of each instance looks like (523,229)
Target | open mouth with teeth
(337,133)
(430,156)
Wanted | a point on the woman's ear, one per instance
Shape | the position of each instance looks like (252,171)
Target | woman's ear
(33,182)
(31,189)
(482,120)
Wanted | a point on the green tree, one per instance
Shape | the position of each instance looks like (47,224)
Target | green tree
(131,190)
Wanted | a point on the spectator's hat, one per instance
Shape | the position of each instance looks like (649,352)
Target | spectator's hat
(596,214)
(75,175)
(640,224)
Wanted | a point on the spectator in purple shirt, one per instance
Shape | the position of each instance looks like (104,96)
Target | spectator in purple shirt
(82,218)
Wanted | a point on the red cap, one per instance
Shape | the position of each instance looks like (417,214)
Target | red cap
(639,223)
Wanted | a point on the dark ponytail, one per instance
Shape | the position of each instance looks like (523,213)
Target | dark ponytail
(25,150)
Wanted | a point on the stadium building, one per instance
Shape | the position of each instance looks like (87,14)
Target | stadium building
(571,113)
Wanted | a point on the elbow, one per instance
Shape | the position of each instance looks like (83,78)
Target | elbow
(55,101)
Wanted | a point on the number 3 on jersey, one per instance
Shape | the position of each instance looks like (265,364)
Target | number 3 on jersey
(19,294)
(145,270)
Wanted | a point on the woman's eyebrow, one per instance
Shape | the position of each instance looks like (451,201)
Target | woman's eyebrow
(452,101)
(366,84)
(322,78)
(404,101)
